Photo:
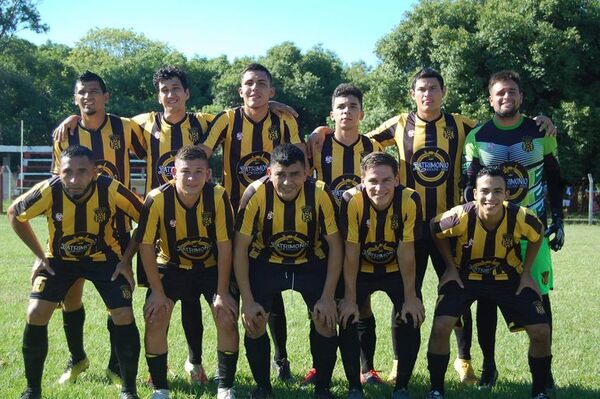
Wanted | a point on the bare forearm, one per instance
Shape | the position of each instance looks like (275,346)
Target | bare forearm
(334,265)
(151,267)
(350,270)
(241,269)
(224,267)
(407,270)
(131,249)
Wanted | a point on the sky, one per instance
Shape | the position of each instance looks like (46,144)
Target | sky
(234,28)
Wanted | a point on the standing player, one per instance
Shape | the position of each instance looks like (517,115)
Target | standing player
(380,220)
(488,265)
(528,159)
(111,139)
(279,245)
(248,134)
(194,222)
(81,210)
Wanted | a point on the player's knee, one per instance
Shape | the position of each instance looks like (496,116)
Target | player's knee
(442,328)
(122,316)
(323,329)
(38,314)
(539,334)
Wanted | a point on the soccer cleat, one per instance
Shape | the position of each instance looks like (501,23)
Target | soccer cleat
(261,393)
(400,394)
(465,371)
(73,370)
(393,372)
(128,395)
(309,378)
(434,395)
(31,394)
(114,378)
(371,377)
(196,373)
(282,369)
(160,394)
(355,393)
(323,394)
(541,396)
(488,379)
(225,393)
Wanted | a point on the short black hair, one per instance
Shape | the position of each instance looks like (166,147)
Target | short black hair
(190,152)
(378,158)
(77,150)
(427,72)
(169,72)
(347,89)
(256,67)
(504,76)
(492,171)
(287,154)
(89,76)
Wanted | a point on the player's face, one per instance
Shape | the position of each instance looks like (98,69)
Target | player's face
(489,194)
(428,95)
(256,89)
(172,96)
(77,175)
(380,184)
(287,180)
(190,176)
(506,98)
(347,112)
(89,98)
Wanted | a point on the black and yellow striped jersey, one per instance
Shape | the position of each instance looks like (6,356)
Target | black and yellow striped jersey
(163,139)
(430,156)
(379,232)
(247,146)
(291,232)
(188,237)
(338,165)
(483,254)
(80,230)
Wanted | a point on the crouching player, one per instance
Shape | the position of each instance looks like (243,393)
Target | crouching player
(279,245)
(380,220)
(488,265)
(193,220)
(80,207)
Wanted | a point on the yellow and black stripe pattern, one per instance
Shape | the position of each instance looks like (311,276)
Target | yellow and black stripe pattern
(379,232)
(188,237)
(430,156)
(247,146)
(287,232)
(80,230)
(488,255)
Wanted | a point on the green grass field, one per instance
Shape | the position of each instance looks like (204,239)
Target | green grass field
(576,308)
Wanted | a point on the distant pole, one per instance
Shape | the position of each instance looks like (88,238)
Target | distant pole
(591,199)
(21,170)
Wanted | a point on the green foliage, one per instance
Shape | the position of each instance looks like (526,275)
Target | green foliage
(16,15)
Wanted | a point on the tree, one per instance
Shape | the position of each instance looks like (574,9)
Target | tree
(16,15)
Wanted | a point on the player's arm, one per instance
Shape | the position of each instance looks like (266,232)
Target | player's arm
(325,308)
(441,228)
(225,306)
(65,128)
(533,247)
(472,164)
(347,308)
(555,190)
(217,131)
(281,109)
(545,124)
(412,304)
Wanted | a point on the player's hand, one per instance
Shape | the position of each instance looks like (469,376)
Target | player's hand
(254,317)
(451,274)
(65,128)
(545,124)
(558,229)
(281,109)
(414,307)
(39,265)
(316,139)
(347,312)
(157,305)
(325,312)
(124,268)
(226,308)
(526,281)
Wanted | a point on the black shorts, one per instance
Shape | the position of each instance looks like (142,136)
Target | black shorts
(520,310)
(188,284)
(269,279)
(115,294)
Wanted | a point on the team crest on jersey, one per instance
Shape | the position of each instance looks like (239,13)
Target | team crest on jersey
(328,159)
(172,223)
(449,133)
(194,134)
(274,133)
(507,240)
(307,214)
(115,142)
(207,218)
(395,224)
(101,214)
(527,144)
(126,292)
(58,217)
